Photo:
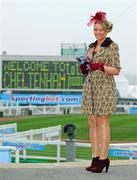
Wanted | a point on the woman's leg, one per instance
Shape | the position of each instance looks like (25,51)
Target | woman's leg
(104,135)
(94,135)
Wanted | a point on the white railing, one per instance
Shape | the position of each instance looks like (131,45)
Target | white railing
(44,110)
(119,146)
(37,137)
(49,133)
(8,129)
(36,142)
(58,109)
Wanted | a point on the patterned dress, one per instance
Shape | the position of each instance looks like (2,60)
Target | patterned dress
(99,88)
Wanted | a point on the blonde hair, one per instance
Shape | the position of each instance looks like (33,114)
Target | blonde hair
(107,25)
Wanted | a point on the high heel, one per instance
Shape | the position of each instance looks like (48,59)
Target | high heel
(107,168)
(100,166)
(94,162)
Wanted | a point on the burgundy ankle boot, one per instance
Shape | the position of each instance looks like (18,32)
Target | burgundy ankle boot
(100,165)
(93,163)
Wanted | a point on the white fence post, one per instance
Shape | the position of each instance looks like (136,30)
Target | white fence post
(17,156)
(24,154)
(58,152)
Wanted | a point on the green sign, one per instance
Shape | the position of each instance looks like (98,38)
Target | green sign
(41,75)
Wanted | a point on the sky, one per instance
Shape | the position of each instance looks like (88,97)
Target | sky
(38,27)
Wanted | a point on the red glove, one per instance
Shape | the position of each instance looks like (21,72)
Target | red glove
(84,69)
(97,66)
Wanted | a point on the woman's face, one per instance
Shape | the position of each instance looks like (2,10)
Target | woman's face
(99,32)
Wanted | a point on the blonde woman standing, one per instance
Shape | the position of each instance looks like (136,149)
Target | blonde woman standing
(99,90)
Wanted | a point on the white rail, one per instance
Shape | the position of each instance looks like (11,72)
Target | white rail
(43,136)
(44,110)
(121,146)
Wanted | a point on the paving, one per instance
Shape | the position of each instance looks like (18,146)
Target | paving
(119,170)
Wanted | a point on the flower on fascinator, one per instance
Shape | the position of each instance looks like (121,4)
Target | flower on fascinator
(99,16)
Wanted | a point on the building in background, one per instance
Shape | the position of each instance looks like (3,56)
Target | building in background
(73,49)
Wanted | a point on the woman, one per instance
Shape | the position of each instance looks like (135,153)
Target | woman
(99,90)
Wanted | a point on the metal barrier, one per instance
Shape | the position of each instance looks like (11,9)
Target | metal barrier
(37,139)
(117,150)
(8,129)
(57,109)
(34,140)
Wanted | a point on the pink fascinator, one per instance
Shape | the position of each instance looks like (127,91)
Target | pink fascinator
(99,16)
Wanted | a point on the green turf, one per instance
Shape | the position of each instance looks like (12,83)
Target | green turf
(123,127)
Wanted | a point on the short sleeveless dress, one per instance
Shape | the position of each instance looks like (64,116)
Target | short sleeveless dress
(99,88)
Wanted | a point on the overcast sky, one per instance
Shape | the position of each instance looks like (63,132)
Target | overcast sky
(37,27)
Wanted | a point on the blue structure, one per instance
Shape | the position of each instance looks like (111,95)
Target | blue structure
(132,110)
(5,155)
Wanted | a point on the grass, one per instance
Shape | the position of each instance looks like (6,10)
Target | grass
(123,129)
